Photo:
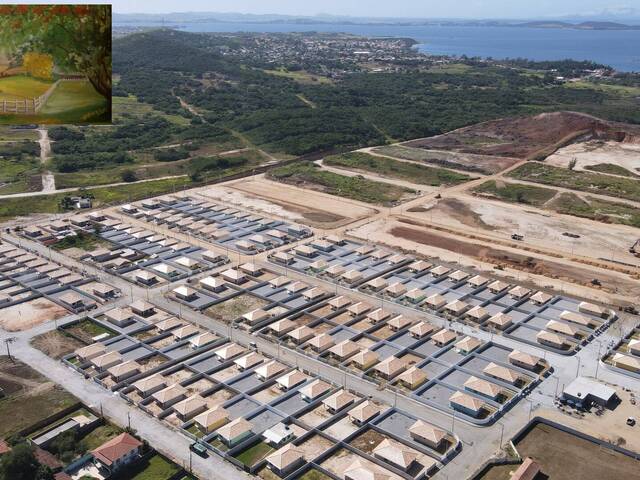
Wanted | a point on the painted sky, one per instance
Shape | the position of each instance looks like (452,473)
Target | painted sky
(380,8)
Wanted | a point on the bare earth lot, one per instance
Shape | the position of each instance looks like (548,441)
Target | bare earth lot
(540,228)
(625,155)
(525,137)
(290,203)
(55,344)
(24,316)
(564,456)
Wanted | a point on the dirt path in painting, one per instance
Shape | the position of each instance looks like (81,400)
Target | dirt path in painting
(48,179)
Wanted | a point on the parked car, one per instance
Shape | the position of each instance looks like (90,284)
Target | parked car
(631,421)
(199,449)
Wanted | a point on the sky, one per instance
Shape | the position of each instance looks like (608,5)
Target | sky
(376,8)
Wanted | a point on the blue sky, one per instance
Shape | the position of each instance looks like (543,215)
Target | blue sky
(380,8)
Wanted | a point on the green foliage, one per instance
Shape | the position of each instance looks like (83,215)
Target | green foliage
(199,166)
(516,192)
(356,187)
(611,168)
(128,175)
(170,154)
(67,446)
(21,464)
(82,240)
(578,180)
(76,162)
(410,172)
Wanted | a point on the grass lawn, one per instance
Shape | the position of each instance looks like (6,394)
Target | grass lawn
(309,175)
(516,193)
(156,468)
(314,475)
(585,181)
(87,329)
(596,209)
(74,101)
(100,435)
(254,454)
(20,87)
(410,172)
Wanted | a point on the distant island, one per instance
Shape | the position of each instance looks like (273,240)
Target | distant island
(214,17)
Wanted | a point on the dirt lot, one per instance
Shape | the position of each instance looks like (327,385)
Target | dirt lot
(540,229)
(26,315)
(314,446)
(564,456)
(30,397)
(625,155)
(290,203)
(463,161)
(524,268)
(231,309)
(611,426)
(367,441)
(341,429)
(56,344)
(526,137)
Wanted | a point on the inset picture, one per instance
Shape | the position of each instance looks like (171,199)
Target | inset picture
(55,64)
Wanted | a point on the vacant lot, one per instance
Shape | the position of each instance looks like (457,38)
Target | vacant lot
(515,192)
(309,175)
(229,310)
(56,344)
(461,161)
(628,188)
(534,137)
(30,397)
(26,315)
(607,157)
(565,456)
(406,171)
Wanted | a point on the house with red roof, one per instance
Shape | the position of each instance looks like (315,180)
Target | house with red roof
(117,453)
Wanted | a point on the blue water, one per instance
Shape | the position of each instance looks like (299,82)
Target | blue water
(619,49)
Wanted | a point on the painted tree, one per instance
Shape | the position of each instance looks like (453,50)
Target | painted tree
(39,65)
(78,37)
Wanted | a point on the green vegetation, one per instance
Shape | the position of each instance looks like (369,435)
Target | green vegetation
(100,435)
(314,475)
(20,87)
(595,209)
(407,171)
(254,454)
(156,468)
(82,240)
(516,192)
(90,328)
(356,188)
(125,193)
(21,464)
(585,181)
(612,169)
(359,109)
(19,167)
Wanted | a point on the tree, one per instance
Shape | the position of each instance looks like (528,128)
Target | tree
(38,65)
(128,176)
(21,464)
(78,37)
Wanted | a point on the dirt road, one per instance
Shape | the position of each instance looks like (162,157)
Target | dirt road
(48,179)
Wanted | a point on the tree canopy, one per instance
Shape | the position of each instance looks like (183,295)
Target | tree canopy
(78,37)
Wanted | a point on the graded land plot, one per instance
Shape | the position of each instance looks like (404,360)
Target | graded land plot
(288,202)
(541,230)
(311,176)
(531,137)
(29,397)
(575,204)
(606,157)
(231,309)
(565,456)
(592,182)
(389,168)
(469,162)
(26,315)
(411,235)
(56,344)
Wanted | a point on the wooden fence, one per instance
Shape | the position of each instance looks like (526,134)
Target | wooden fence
(28,106)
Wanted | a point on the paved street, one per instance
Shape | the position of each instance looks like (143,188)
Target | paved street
(479,443)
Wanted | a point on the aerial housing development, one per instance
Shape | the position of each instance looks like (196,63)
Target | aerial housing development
(235,281)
